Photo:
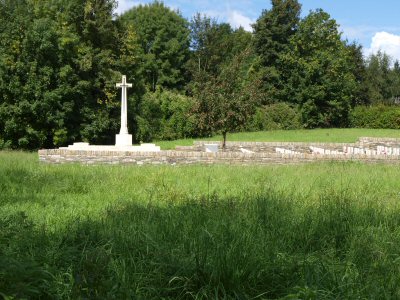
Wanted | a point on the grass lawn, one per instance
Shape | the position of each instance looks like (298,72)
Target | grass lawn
(315,231)
(347,135)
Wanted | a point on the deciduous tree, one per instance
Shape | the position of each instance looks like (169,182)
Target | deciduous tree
(226,101)
(164,38)
(317,73)
(58,66)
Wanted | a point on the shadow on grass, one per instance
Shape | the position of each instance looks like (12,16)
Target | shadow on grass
(262,247)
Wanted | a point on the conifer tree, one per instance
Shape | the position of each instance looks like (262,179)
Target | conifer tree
(274,28)
(272,33)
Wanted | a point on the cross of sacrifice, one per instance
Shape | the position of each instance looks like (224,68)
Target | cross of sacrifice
(124,105)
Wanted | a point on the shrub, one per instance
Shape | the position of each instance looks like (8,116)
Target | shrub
(165,115)
(276,116)
(4,144)
(378,116)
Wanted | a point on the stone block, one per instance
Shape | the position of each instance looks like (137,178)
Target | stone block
(123,139)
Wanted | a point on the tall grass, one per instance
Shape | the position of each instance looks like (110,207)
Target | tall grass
(318,231)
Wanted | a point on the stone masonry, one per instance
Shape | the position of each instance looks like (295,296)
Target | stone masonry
(262,153)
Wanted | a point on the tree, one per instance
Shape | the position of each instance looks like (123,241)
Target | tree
(166,115)
(318,73)
(272,33)
(227,100)
(395,81)
(58,68)
(274,28)
(382,81)
(213,44)
(164,38)
(28,55)
(93,60)
(358,68)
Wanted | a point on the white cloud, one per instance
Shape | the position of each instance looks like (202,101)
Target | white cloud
(236,19)
(124,5)
(357,33)
(218,11)
(233,17)
(385,42)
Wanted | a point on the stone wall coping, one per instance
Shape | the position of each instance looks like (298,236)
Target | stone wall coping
(378,140)
(215,155)
(202,143)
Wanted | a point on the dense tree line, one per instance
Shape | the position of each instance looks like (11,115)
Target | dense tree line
(60,60)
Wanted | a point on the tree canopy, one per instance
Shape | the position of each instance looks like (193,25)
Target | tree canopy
(60,59)
(227,100)
(274,28)
(164,38)
(317,72)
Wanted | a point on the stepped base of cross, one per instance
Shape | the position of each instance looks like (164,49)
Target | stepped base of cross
(123,139)
(129,148)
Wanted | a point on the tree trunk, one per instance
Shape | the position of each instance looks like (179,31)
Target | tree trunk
(224,140)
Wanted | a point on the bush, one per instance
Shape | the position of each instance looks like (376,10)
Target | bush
(378,116)
(275,116)
(165,115)
(4,144)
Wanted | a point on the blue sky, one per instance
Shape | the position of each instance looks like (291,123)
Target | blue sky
(374,24)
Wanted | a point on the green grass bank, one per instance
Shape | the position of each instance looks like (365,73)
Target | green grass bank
(332,135)
(317,231)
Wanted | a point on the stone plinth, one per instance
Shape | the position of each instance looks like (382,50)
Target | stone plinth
(123,139)
(117,148)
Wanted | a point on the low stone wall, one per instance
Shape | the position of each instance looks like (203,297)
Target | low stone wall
(264,147)
(379,140)
(269,147)
(372,143)
(172,157)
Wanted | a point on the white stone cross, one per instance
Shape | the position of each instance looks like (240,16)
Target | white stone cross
(124,105)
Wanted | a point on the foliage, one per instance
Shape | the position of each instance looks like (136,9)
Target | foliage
(4,144)
(164,38)
(214,44)
(204,231)
(57,72)
(358,68)
(274,28)
(225,102)
(377,116)
(382,81)
(60,60)
(210,43)
(317,73)
(272,33)
(166,116)
(276,116)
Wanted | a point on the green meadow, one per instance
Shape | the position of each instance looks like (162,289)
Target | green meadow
(327,230)
(313,231)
